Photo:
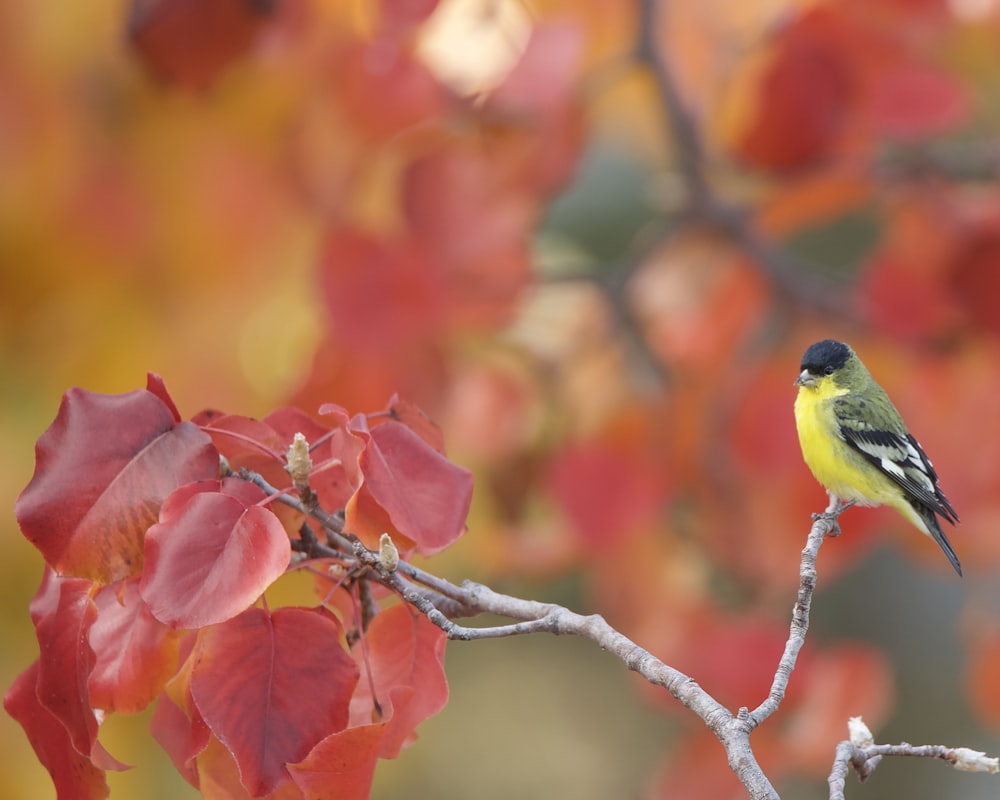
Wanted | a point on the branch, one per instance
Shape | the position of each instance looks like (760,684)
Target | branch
(442,601)
(791,278)
(863,755)
(823,525)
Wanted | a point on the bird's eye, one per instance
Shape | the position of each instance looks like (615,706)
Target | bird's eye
(828,370)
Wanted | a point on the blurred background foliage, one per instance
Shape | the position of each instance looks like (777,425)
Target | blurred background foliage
(592,240)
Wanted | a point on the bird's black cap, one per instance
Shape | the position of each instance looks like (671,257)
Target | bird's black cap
(828,353)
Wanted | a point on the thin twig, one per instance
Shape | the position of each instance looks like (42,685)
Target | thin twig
(864,759)
(823,526)
(792,279)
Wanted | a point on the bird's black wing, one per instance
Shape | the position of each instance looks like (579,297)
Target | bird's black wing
(901,459)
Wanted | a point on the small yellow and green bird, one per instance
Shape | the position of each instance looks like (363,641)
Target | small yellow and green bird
(857,445)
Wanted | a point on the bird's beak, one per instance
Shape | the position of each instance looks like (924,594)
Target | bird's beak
(805,379)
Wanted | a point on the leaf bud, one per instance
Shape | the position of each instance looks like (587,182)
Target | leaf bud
(388,555)
(299,463)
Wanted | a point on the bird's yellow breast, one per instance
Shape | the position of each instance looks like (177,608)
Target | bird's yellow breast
(831,460)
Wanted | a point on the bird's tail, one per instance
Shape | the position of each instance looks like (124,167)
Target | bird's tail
(930,519)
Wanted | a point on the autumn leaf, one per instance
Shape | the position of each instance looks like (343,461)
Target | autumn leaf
(67,661)
(190,43)
(102,470)
(270,686)
(409,484)
(73,774)
(212,554)
(135,653)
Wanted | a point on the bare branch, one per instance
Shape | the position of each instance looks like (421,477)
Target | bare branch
(823,525)
(864,759)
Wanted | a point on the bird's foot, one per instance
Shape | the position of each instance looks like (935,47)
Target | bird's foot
(832,516)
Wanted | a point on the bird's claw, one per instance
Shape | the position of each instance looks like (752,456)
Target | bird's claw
(832,517)
(832,521)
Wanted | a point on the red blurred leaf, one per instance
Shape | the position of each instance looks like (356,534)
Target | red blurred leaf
(382,295)
(802,100)
(271,686)
(917,101)
(384,89)
(74,775)
(735,655)
(102,470)
(606,492)
(359,378)
(212,554)
(547,73)
(697,770)
(541,99)
(66,663)
(424,495)
(190,42)
(981,680)
(136,654)
(848,680)
(975,280)
(398,18)
(475,219)
(908,299)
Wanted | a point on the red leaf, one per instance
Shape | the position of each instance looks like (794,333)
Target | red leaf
(982,686)
(802,102)
(171,727)
(405,651)
(607,494)
(539,106)
(382,294)
(219,777)
(155,385)
(212,554)
(424,495)
(74,775)
(547,73)
(413,418)
(66,662)
(136,654)
(271,686)
(975,280)
(917,101)
(342,765)
(190,42)
(333,448)
(177,724)
(407,91)
(400,17)
(102,470)
(247,442)
(406,654)
(475,220)
(850,679)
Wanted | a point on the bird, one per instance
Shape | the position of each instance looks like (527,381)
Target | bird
(858,447)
